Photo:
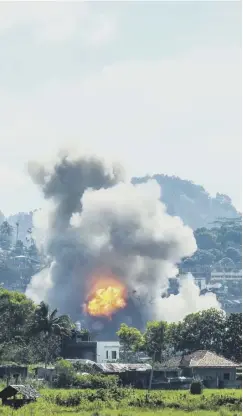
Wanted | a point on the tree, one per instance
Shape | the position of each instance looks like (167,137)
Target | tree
(130,339)
(234,254)
(200,331)
(6,233)
(205,239)
(15,310)
(232,344)
(174,336)
(155,339)
(226,264)
(204,257)
(32,250)
(19,248)
(50,325)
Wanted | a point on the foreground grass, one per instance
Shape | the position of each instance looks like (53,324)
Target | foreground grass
(30,411)
(131,402)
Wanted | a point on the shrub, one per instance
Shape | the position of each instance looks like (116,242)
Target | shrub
(96,381)
(67,377)
(196,387)
(70,400)
(65,374)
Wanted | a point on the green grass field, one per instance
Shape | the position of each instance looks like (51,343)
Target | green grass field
(130,402)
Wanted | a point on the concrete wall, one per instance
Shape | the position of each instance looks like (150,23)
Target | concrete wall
(214,376)
(105,349)
(216,372)
(86,349)
(9,371)
(47,373)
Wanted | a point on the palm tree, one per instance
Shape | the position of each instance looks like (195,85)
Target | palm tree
(47,322)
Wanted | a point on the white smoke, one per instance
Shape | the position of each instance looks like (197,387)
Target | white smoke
(177,307)
(95,222)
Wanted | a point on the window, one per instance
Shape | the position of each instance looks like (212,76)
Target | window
(113,355)
(107,355)
(226,376)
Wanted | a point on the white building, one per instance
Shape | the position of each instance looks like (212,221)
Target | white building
(215,276)
(108,351)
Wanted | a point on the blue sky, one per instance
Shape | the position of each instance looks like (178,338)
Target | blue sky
(154,85)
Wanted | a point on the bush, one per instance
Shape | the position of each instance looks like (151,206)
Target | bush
(65,374)
(69,401)
(196,387)
(96,381)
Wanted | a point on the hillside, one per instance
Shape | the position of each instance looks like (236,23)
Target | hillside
(219,249)
(191,202)
(182,198)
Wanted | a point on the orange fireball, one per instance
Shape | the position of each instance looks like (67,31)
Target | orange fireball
(107,296)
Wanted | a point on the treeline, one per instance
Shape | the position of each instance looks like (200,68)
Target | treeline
(219,247)
(18,260)
(207,330)
(32,333)
(10,242)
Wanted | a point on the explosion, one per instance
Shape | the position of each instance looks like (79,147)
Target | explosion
(106,297)
(98,221)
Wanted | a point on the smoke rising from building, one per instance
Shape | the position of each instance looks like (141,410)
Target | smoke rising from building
(97,224)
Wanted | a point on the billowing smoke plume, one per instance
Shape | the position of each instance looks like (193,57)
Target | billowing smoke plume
(97,222)
(176,307)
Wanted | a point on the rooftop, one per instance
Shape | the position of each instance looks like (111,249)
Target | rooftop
(27,391)
(122,368)
(201,358)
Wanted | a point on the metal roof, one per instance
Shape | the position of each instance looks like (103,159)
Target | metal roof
(27,391)
(122,368)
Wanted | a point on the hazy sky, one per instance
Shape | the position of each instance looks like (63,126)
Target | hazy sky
(155,85)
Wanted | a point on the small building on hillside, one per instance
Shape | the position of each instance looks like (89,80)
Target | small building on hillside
(214,370)
(18,395)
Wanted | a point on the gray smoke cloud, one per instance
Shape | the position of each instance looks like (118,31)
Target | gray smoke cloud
(98,223)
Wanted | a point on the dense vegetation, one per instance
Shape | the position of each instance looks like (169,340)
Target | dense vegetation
(128,402)
(18,260)
(219,247)
(29,333)
(207,330)
(32,333)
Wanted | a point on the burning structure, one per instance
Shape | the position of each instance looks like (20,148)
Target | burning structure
(112,245)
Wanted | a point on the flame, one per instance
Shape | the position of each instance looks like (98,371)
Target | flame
(106,297)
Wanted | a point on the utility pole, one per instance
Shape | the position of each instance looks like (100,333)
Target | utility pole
(151,372)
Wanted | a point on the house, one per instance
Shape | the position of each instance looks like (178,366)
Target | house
(129,374)
(75,348)
(97,351)
(18,395)
(212,369)
(107,351)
